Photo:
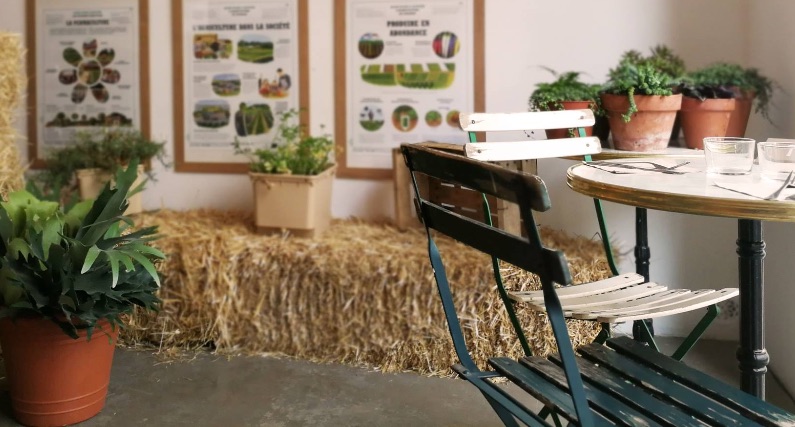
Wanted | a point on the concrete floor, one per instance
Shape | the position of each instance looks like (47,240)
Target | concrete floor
(264,391)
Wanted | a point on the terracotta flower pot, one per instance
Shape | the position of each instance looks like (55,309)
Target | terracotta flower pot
(649,128)
(55,380)
(701,119)
(91,182)
(742,112)
(570,105)
(299,203)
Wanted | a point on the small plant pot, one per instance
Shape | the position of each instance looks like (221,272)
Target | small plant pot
(701,119)
(649,128)
(742,112)
(298,203)
(564,133)
(91,182)
(54,380)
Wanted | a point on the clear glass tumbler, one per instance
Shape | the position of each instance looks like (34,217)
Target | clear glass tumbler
(776,159)
(729,155)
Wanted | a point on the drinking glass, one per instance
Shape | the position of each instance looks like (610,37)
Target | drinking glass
(776,159)
(729,155)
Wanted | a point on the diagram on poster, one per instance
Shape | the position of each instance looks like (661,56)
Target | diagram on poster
(239,65)
(409,74)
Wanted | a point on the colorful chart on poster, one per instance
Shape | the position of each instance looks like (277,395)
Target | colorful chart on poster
(409,69)
(240,68)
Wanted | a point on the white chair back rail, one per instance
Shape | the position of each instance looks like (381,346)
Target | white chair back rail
(491,122)
(538,149)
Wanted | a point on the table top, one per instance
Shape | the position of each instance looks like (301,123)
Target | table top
(612,153)
(693,192)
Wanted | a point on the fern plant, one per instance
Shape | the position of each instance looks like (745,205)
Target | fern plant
(730,76)
(567,87)
(78,266)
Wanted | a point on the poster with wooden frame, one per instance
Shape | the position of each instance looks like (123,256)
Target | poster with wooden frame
(88,69)
(404,71)
(237,65)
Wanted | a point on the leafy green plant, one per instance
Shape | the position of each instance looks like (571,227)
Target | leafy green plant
(730,76)
(662,58)
(106,150)
(293,150)
(78,266)
(630,79)
(567,87)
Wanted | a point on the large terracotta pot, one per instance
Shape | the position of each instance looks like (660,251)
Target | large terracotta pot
(564,133)
(649,128)
(55,380)
(738,123)
(701,119)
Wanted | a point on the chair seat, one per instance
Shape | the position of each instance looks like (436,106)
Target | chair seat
(625,298)
(628,383)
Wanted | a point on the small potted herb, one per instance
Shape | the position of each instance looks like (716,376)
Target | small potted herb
(567,92)
(641,106)
(92,159)
(292,179)
(751,90)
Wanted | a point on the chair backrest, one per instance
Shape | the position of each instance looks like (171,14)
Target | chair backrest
(526,149)
(530,193)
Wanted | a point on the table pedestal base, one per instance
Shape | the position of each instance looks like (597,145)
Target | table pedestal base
(752,354)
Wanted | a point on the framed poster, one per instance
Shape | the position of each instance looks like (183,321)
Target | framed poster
(405,70)
(237,65)
(87,67)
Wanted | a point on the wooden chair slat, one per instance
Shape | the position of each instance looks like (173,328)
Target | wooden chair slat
(540,149)
(646,301)
(489,122)
(632,394)
(592,288)
(540,388)
(703,299)
(631,292)
(744,403)
(670,394)
(611,408)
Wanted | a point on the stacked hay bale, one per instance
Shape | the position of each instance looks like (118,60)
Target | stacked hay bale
(12,83)
(363,294)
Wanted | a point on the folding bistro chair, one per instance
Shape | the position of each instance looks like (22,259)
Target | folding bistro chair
(612,301)
(621,383)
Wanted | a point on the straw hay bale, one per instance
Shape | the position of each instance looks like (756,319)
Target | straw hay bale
(363,294)
(12,83)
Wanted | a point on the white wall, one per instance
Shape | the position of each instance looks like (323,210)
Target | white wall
(563,35)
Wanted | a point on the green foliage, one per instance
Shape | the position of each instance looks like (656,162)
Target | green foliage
(567,87)
(746,79)
(106,150)
(293,151)
(78,266)
(662,58)
(630,79)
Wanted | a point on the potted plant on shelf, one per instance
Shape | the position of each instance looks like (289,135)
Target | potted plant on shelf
(751,90)
(567,92)
(707,108)
(89,162)
(292,179)
(640,106)
(66,279)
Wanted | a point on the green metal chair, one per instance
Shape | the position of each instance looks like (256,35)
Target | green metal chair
(602,301)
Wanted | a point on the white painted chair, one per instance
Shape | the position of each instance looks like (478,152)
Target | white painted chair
(621,298)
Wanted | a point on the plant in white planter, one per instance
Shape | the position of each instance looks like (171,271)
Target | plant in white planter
(292,179)
(66,280)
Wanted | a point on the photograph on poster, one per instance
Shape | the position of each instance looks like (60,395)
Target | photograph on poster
(85,69)
(235,63)
(409,71)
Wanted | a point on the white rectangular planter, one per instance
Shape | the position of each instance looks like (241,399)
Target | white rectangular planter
(298,203)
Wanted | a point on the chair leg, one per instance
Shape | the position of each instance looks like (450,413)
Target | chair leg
(646,335)
(712,313)
(507,419)
(604,334)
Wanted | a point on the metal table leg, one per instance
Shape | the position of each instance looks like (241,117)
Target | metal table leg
(752,354)
(642,257)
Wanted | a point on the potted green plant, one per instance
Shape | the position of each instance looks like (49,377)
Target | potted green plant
(90,161)
(707,107)
(640,106)
(567,92)
(751,90)
(67,277)
(292,179)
